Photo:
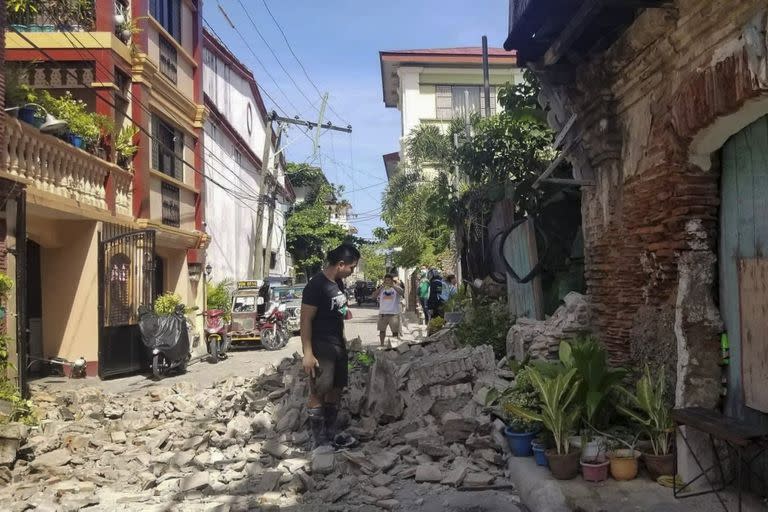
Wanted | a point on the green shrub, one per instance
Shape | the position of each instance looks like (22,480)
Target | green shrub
(435,325)
(6,284)
(219,296)
(21,409)
(486,322)
(165,305)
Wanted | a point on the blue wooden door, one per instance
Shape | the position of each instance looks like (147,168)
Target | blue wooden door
(743,251)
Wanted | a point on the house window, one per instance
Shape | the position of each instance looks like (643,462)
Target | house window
(238,157)
(167,149)
(168,14)
(168,59)
(171,212)
(453,101)
(209,75)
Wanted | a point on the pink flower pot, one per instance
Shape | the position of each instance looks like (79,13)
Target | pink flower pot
(595,470)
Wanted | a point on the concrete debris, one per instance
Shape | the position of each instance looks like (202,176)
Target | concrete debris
(243,444)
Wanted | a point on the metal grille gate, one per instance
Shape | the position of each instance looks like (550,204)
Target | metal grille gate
(126,281)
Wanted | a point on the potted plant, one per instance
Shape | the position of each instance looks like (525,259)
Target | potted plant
(648,408)
(119,15)
(127,29)
(521,430)
(124,145)
(539,447)
(597,382)
(22,13)
(622,454)
(559,414)
(594,468)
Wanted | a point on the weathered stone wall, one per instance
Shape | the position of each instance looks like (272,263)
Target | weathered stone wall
(644,108)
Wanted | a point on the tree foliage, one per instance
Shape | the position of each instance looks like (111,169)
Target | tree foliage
(441,185)
(374,261)
(310,233)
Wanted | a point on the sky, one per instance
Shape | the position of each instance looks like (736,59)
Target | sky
(338,41)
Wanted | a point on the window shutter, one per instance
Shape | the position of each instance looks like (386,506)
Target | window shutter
(155,143)
(175,20)
(443,102)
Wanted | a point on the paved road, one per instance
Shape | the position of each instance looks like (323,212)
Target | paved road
(241,361)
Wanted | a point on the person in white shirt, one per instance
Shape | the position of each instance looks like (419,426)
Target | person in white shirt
(389,295)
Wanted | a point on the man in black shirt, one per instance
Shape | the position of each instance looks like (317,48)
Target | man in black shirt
(324,308)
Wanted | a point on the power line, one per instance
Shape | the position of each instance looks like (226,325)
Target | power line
(272,51)
(295,108)
(285,38)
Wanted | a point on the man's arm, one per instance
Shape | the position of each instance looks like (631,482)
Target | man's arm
(399,289)
(305,324)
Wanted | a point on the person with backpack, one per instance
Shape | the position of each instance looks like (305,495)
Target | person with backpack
(424,296)
(435,301)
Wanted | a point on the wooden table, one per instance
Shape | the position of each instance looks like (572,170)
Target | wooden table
(734,433)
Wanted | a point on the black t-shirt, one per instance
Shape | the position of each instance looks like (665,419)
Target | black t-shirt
(331,303)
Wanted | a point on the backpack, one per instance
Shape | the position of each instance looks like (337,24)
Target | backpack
(435,291)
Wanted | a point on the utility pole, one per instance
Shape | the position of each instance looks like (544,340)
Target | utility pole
(486,78)
(264,250)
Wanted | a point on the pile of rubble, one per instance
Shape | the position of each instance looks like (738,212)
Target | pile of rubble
(540,339)
(244,444)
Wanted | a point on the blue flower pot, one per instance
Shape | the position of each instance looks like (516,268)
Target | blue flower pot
(520,442)
(538,454)
(75,140)
(19,27)
(27,114)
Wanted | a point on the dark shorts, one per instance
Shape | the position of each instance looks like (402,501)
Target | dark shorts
(333,371)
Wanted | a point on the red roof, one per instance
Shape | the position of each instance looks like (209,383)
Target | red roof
(461,50)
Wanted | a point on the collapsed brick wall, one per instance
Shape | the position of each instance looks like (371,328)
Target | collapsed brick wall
(672,74)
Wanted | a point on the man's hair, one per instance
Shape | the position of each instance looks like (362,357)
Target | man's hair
(389,276)
(450,277)
(345,253)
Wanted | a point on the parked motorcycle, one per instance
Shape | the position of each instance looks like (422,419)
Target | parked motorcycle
(167,337)
(274,327)
(216,338)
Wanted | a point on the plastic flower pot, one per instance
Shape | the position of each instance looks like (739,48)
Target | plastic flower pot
(20,28)
(595,469)
(520,442)
(659,465)
(539,455)
(564,467)
(624,464)
(75,140)
(28,115)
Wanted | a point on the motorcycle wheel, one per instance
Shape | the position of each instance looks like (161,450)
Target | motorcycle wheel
(213,349)
(269,340)
(159,366)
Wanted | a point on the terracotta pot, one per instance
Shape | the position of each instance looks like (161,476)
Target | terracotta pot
(659,465)
(595,470)
(564,467)
(624,464)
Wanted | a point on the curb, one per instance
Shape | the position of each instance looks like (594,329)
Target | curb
(538,490)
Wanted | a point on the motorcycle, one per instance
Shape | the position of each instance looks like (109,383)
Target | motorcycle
(216,338)
(167,337)
(274,327)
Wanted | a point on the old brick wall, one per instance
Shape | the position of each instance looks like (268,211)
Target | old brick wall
(640,105)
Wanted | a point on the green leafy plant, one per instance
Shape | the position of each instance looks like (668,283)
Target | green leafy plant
(559,411)
(486,322)
(80,121)
(219,296)
(165,304)
(648,408)
(522,395)
(6,284)
(21,409)
(124,145)
(22,12)
(435,325)
(361,360)
(597,380)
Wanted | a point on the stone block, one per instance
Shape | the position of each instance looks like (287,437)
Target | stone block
(429,473)
(194,481)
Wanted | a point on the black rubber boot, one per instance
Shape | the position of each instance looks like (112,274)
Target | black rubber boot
(317,426)
(331,412)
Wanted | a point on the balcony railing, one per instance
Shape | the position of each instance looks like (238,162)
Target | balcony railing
(171,205)
(55,167)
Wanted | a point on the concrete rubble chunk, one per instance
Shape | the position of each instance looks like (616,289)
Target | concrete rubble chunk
(118,436)
(384,460)
(381,493)
(476,479)
(288,422)
(456,474)
(388,504)
(275,449)
(382,480)
(270,480)
(340,488)
(428,473)
(381,402)
(360,460)
(194,481)
(323,462)
(56,458)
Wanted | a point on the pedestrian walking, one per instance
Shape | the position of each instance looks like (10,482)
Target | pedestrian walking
(435,301)
(324,307)
(389,295)
(424,296)
(449,288)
